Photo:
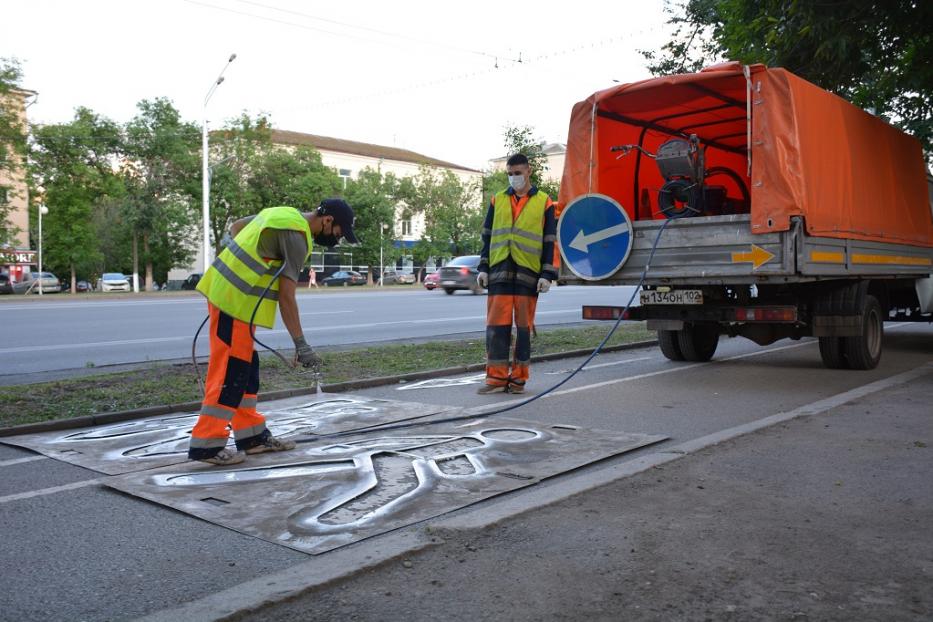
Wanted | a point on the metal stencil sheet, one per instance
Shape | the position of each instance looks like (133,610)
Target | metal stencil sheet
(160,441)
(327,494)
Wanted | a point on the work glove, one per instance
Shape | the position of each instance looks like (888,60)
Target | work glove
(305,356)
(482,279)
(543,285)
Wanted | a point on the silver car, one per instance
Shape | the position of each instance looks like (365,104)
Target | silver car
(31,283)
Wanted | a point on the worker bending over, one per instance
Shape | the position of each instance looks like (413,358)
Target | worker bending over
(278,238)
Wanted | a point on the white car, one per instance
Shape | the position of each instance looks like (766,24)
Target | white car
(113,282)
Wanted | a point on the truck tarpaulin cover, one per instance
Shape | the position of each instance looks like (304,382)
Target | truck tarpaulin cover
(846,172)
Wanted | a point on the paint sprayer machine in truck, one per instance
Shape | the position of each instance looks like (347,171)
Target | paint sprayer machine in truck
(747,202)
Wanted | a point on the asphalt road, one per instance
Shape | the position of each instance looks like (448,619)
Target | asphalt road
(60,334)
(76,550)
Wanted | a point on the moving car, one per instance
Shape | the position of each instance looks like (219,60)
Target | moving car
(192,281)
(113,282)
(392,277)
(431,281)
(460,273)
(344,278)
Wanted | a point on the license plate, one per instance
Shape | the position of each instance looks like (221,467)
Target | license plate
(673,297)
(448,282)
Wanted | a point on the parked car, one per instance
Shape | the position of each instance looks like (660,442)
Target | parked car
(31,282)
(192,281)
(5,286)
(81,286)
(460,273)
(113,282)
(431,281)
(344,278)
(392,277)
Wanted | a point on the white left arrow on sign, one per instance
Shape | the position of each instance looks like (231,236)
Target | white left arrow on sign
(582,242)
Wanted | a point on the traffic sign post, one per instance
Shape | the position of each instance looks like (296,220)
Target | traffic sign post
(594,235)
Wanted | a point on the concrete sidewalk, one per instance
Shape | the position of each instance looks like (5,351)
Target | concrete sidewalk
(824,517)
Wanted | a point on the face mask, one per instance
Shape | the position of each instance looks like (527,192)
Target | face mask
(517,181)
(326,239)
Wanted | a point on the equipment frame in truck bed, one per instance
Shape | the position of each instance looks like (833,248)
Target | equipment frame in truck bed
(722,250)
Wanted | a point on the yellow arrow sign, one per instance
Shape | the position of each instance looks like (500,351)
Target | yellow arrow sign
(757,257)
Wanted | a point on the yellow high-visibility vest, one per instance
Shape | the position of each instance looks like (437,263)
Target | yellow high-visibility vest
(522,239)
(238,276)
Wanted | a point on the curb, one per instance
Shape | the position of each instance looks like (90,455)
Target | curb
(339,387)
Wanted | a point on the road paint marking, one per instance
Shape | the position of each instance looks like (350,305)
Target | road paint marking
(660,372)
(588,367)
(51,491)
(273,588)
(13,461)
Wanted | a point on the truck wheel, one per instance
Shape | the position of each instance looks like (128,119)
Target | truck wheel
(698,341)
(670,347)
(864,351)
(833,353)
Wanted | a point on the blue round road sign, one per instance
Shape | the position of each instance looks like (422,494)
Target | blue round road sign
(594,234)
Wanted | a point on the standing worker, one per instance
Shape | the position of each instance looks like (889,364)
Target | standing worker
(276,238)
(517,263)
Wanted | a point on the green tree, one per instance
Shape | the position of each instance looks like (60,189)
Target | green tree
(72,164)
(162,171)
(877,55)
(237,151)
(452,211)
(520,139)
(296,178)
(374,197)
(12,142)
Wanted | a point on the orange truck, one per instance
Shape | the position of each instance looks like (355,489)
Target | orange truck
(773,210)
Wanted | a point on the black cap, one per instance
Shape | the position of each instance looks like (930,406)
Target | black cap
(343,216)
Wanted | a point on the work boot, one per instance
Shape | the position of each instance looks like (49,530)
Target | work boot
(516,388)
(486,389)
(271,443)
(225,457)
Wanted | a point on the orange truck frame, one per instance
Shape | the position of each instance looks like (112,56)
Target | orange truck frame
(797,213)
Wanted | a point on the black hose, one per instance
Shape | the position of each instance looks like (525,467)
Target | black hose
(194,360)
(252,328)
(499,411)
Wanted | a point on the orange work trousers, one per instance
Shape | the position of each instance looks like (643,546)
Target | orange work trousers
(506,365)
(230,391)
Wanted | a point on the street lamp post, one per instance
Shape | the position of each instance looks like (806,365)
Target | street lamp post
(205,174)
(382,268)
(43,210)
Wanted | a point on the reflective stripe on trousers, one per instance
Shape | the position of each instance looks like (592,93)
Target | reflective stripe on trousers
(505,364)
(230,390)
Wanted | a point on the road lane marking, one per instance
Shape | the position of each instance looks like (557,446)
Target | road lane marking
(13,461)
(678,368)
(51,491)
(327,329)
(589,367)
(693,366)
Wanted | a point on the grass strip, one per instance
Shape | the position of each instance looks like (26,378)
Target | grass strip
(171,384)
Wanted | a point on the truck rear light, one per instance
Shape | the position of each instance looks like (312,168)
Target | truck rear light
(591,312)
(766,314)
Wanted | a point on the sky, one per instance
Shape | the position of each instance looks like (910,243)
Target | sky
(442,79)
